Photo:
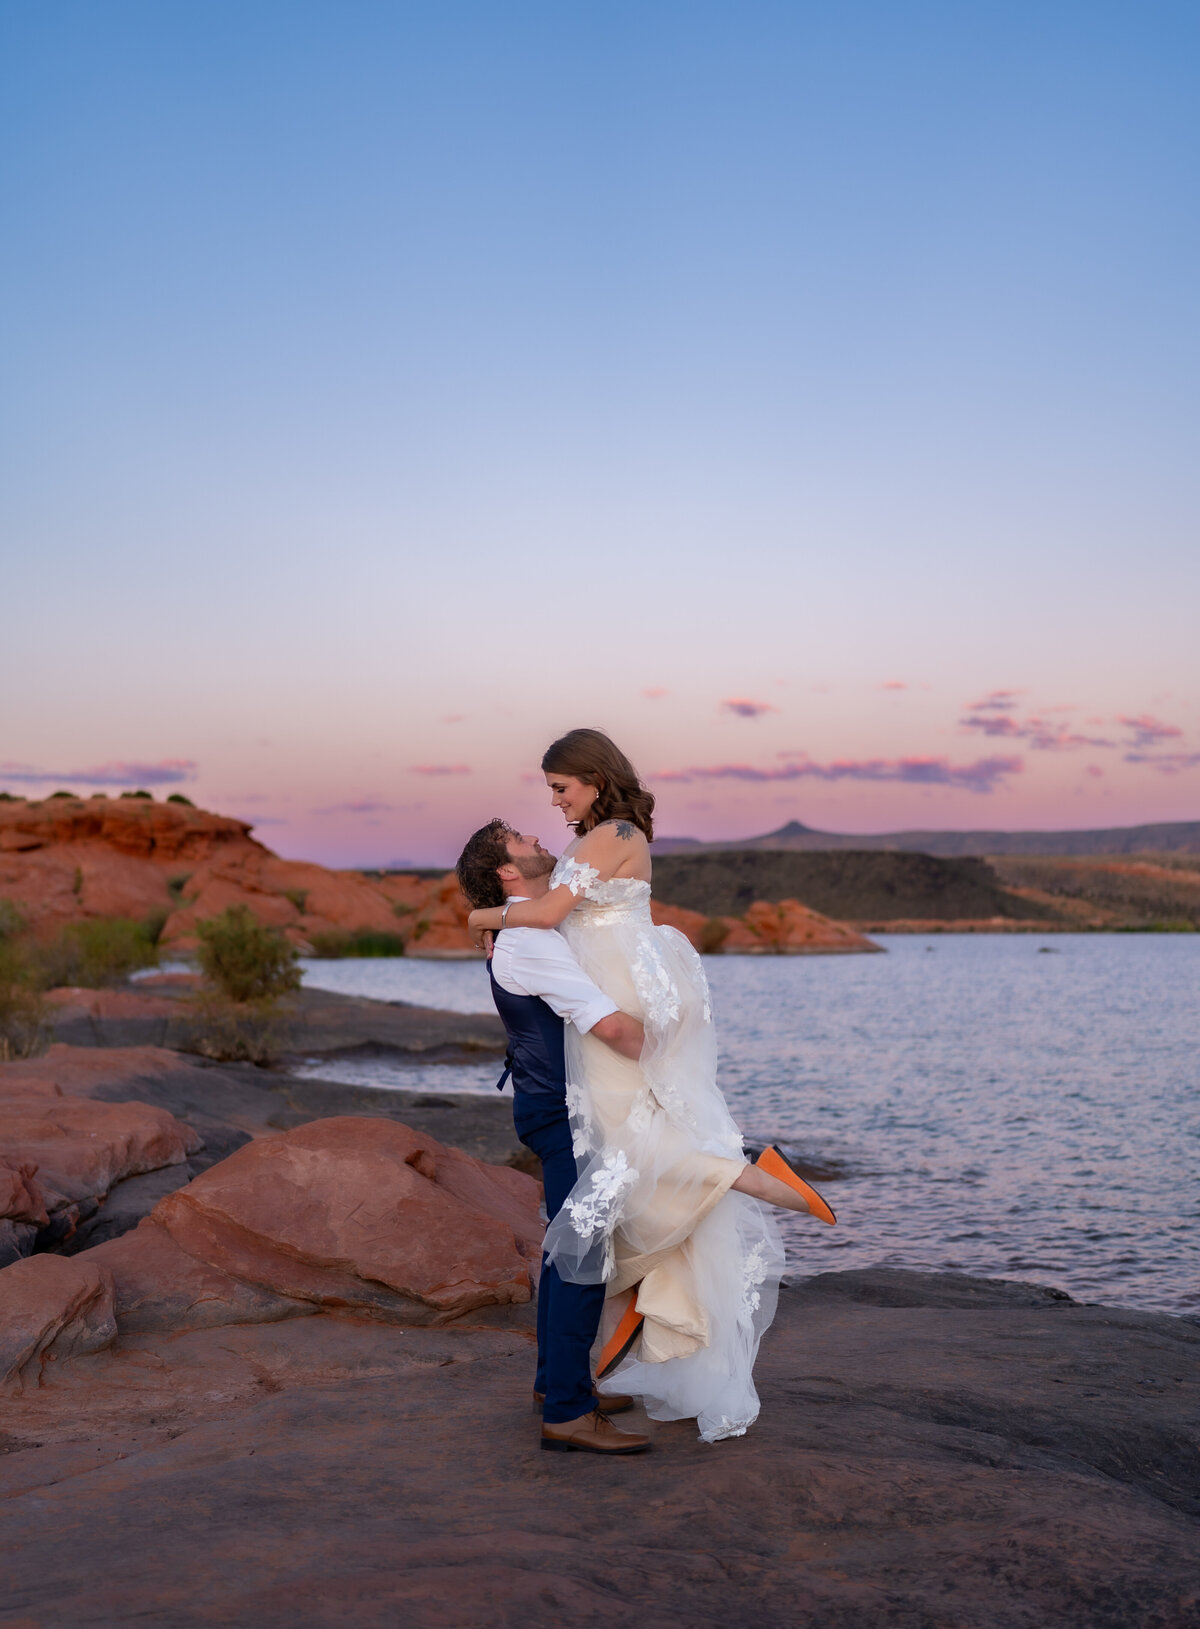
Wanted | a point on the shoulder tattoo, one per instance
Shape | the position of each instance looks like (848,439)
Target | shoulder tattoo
(624,829)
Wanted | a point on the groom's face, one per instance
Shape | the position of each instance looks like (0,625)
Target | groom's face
(529,857)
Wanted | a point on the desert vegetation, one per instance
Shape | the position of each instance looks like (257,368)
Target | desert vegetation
(357,942)
(248,972)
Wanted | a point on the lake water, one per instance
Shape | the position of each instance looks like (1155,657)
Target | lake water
(1004,1105)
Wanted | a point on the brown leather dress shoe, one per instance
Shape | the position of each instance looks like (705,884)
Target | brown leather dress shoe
(592,1434)
(610,1402)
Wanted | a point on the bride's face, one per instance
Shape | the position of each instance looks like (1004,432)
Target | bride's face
(573,796)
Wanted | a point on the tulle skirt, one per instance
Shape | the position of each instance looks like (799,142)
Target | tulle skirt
(652,1212)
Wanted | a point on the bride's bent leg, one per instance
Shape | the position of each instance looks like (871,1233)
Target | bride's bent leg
(620,1342)
(772,1178)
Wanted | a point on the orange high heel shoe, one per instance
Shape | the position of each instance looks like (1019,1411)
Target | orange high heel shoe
(781,1168)
(622,1339)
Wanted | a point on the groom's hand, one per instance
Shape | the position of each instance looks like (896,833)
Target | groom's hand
(621,1032)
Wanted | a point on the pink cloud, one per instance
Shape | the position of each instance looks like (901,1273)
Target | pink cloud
(453,718)
(982,776)
(363,806)
(440,769)
(996,701)
(655,692)
(1095,771)
(744,708)
(1148,731)
(166,772)
(894,684)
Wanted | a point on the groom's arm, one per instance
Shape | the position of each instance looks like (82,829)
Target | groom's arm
(622,1032)
(534,962)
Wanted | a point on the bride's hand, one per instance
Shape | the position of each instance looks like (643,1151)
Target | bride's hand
(482,923)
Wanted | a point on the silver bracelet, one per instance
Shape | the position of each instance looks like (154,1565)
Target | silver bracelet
(504,912)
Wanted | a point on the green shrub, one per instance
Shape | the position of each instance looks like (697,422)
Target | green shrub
(77,885)
(178,797)
(713,935)
(10,797)
(11,920)
(24,1016)
(298,897)
(339,942)
(139,794)
(176,885)
(54,795)
(101,950)
(154,922)
(245,961)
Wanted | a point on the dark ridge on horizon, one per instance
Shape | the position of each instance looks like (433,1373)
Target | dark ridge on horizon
(1172,837)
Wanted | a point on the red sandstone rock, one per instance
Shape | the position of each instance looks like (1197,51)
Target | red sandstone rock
(80,1071)
(66,859)
(21,1195)
(52,1307)
(157,1285)
(690,923)
(80,1147)
(355,1212)
(790,929)
(70,1001)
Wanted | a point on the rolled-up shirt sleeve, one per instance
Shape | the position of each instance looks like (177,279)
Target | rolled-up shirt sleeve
(538,962)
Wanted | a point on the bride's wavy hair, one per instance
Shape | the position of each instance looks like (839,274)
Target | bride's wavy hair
(597,761)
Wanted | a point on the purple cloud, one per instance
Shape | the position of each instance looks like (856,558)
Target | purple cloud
(745,708)
(984,775)
(1148,731)
(440,769)
(996,701)
(1042,734)
(167,772)
(1167,763)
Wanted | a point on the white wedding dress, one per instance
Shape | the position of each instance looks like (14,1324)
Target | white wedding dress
(658,1151)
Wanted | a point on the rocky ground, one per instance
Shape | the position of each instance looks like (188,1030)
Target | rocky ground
(269,1362)
(933,1451)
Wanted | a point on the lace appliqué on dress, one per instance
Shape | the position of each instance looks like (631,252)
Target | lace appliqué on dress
(754,1272)
(596,1209)
(575,875)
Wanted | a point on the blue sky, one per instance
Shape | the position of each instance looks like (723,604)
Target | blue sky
(392,386)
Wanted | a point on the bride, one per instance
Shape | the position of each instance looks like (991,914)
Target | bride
(666,1211)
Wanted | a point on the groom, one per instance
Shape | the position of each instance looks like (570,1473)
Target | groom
(538,985)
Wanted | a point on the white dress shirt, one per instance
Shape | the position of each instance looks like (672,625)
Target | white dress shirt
(538,962)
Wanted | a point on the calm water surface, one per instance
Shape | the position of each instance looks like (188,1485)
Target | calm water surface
(1000,1105)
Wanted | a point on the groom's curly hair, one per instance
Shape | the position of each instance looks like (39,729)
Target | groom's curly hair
(479,862)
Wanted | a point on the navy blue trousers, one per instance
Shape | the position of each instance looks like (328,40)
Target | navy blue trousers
(568,1315)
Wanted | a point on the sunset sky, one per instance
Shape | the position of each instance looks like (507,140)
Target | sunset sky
(805,393)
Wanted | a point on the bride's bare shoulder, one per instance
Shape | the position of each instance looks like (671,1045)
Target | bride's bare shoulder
(617,848)
(620,833)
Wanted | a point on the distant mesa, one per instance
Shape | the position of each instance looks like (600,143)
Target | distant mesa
(1177,837)
(1121,878)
